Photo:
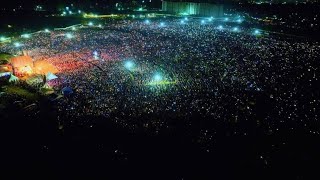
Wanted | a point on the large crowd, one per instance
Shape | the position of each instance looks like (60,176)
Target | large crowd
(218,74)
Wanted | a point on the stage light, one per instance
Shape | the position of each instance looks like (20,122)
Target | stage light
(17,44)
(256,32)
(157,77)
(129,65)
(69,36)
(26,35)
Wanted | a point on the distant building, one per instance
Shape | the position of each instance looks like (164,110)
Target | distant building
(193,8)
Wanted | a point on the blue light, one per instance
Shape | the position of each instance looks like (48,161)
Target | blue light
(157,77)
(235,29)
(129,65)
(90,24)
(69,36)
(186,19)
(182,21)
(162,24)
(16,44)
(202,21)
(95,53)
(147,21)
(220,27)
(226,19)
(256,32)
(239,20)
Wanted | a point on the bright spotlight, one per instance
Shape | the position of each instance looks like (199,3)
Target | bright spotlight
(157,77)
(16,44)
(129,65)
(26,35)
(256,32)
(69,36)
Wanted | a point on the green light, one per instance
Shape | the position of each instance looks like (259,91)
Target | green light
(2,38)
(46,30)
(100,25)
(73,28)
(90,24)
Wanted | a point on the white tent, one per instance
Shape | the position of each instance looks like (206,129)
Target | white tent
(51,76)
(13,78)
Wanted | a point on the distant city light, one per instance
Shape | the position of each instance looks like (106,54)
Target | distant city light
(70,12)
(67,8)
(64,13)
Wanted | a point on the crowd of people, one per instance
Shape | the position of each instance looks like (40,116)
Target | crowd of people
(217,75)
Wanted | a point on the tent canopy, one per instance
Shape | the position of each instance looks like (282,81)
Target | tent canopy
(51,76)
